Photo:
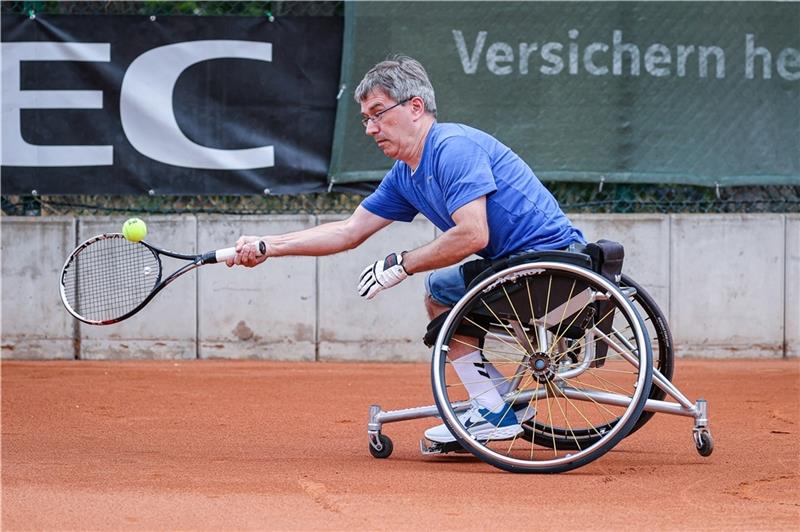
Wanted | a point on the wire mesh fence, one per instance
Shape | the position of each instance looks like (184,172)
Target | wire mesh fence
(574,197)
(160,7)
(670,198)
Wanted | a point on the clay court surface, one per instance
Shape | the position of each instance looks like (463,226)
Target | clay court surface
(274,445)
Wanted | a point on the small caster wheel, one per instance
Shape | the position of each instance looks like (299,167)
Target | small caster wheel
(386,449)
(704,443)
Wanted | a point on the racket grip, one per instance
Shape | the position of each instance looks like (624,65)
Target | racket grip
(221,255)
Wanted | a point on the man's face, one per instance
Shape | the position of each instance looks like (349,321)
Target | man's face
(391,130)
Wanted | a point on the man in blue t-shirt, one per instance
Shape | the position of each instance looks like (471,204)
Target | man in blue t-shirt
(479,193)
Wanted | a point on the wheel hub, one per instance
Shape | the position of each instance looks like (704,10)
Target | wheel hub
(541,367)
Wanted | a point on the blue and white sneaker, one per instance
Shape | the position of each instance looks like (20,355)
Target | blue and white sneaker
(484,424)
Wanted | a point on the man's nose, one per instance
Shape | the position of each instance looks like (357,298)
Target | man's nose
(371,128)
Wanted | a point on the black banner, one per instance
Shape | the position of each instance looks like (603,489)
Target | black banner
(168,105)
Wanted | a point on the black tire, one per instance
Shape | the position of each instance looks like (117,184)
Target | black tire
(706,445)
(386,450)
(663,361)
(560,297)
(660,337)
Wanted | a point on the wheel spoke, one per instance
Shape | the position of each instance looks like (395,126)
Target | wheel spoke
(521,351)
(590,398)
(528,378)
(563,413)
(529,348)
(550,416)
(601,380)
(533,314)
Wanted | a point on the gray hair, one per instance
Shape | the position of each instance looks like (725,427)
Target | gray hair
(402,78)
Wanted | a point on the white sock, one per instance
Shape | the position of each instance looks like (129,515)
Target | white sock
(471,369)
(499,380)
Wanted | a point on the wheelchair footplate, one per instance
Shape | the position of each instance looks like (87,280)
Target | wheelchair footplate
(427,447)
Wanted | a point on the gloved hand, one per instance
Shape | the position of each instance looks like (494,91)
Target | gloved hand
(381,275)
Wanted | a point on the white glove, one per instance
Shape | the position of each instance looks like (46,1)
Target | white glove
(381,275)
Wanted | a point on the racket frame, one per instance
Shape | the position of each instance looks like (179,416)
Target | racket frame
(195,261)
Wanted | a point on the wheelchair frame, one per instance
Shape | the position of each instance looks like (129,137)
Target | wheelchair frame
(532,334)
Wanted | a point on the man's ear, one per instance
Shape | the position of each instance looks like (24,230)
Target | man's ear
(417,106)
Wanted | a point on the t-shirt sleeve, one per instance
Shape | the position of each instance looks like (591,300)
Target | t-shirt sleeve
(387,201)
(464,172)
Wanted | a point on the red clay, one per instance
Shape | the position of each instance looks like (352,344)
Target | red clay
(266,445)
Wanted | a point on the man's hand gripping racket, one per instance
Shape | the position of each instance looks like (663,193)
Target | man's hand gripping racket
(108,278)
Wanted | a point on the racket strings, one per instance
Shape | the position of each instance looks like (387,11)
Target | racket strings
(109,278)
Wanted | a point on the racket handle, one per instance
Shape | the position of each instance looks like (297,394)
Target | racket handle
(221,255)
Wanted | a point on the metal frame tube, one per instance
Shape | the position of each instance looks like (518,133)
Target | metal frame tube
(659,379)
(378,417)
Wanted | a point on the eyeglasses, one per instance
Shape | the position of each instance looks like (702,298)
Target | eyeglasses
(365,120)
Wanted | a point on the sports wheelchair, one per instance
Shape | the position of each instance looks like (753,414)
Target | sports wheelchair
(582,349)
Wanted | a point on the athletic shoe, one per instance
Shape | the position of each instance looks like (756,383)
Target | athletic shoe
(484,424)
(524,412)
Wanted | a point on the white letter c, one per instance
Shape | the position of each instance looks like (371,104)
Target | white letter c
(148,117)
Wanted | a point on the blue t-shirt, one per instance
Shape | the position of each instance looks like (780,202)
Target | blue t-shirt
(460,164)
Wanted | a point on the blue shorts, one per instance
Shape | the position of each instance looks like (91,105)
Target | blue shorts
(446,286)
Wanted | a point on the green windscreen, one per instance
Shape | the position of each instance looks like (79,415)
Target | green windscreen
(701,93)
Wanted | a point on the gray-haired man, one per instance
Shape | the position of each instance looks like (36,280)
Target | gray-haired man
(478,192)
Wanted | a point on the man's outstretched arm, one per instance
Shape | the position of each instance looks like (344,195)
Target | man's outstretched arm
(325,239)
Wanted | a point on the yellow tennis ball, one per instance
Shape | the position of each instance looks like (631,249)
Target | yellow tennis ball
(134,230)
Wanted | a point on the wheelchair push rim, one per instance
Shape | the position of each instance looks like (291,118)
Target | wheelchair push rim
(539,332)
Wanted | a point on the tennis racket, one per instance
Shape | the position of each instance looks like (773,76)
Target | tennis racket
(108,279)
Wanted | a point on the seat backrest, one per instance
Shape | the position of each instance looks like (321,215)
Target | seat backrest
(607,257)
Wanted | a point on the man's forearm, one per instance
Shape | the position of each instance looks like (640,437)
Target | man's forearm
(325,239)
(450,248)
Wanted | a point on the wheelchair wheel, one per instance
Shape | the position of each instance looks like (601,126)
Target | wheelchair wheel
(543,324)
(663,360)
(660,340)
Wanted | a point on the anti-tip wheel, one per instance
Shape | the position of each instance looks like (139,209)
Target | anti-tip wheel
(386,447)
(704,443)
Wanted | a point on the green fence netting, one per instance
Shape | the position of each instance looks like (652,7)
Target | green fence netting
(574,198)
(694,93)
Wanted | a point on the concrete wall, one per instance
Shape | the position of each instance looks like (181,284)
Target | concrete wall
(730,285)
(34,323)
(267,312)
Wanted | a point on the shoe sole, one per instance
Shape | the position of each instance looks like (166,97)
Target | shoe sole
(489,433)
